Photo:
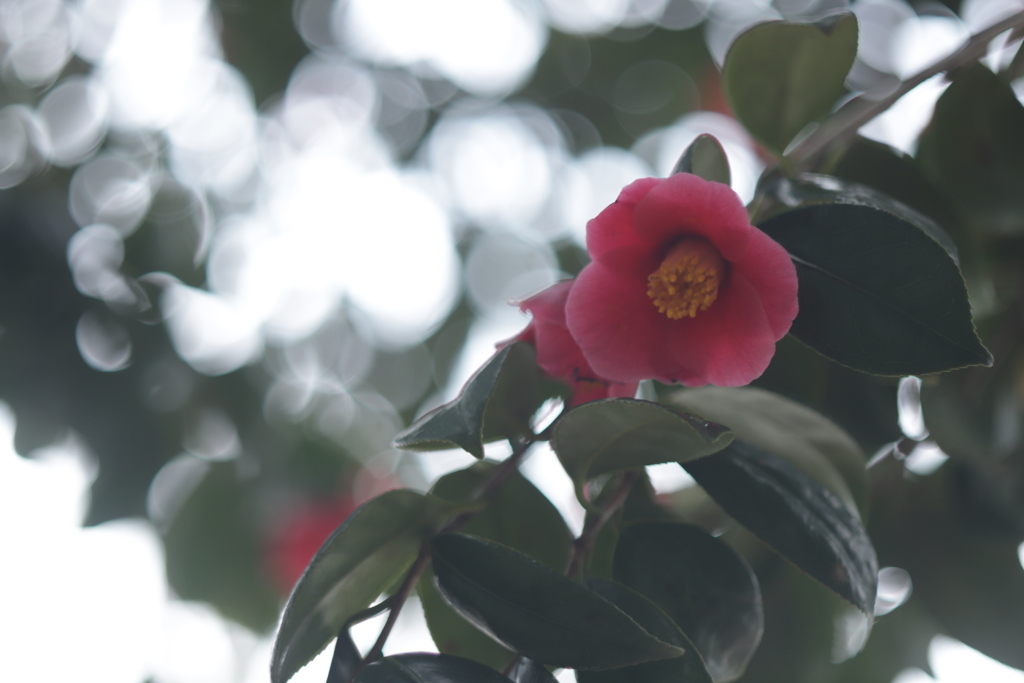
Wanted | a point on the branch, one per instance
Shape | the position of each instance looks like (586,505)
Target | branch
(595,523)
(492,483)
(845,123)
(398,600)
(487,487)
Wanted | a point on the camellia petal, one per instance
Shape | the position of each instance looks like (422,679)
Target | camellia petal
(557,352)
(729,344)
(621,334)
(611,240)
(770,270)
(685,204)
(682,288)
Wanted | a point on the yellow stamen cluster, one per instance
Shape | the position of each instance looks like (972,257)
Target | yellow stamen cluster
(687,280)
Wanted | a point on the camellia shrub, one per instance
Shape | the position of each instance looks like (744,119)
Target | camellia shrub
(687,295)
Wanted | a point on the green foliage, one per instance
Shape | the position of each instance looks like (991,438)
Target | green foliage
(974,150)
(878,292)
(665,589)
(687,668)
(705,158)
(427,668)
(538,611)
(795,515)
(496,403)
(364,557)
(214,550)
(518,516)
(705,586)
(780,76)
(789,430)
(618,434)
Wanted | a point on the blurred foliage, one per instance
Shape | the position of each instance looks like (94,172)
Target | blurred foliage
(956,531)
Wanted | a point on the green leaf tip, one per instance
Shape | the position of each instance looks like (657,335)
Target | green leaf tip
(705,158)
(780,76)
(496,403)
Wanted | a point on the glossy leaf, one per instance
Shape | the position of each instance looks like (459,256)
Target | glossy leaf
(618,434)
(789,430)
(421,667)
(528,671)
(346,659)
(537,611)
(519,516)
(705,158)
(794,514)
(496,403)
(360,560)
(809,189)
(877,292)
(704,585)
(687,668)
(780,76)
(974,149)
(899,177)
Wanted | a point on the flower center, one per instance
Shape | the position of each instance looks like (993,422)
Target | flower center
(687,280)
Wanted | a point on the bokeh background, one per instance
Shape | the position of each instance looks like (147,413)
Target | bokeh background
(244,242)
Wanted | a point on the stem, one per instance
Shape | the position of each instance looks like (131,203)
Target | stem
(486,488)
(595,523)
(848,120)
(510,667)
(398,600)
(492,483)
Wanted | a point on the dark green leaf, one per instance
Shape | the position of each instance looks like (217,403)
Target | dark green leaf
(529,671)
(361,559)
(421,667)
(780,76)
(618,434)
(974,149)
(789,430)
(809,189)
(496,403)
(705,158)
(897,176)
(537,611)
(519,516)
(790,511)
(703,584)
(346,659)
(688,668)
(877,292)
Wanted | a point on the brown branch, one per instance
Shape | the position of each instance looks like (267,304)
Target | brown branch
(845,123)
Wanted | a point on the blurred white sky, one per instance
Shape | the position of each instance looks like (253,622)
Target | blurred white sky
(314,212)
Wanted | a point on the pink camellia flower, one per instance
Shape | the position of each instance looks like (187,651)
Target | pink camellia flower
(682,288)
(557,352)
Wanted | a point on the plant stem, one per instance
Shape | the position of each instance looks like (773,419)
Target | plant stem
(487,487)
(510,667)
(595,523)
(398,600)
(845,123)
(491,483)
